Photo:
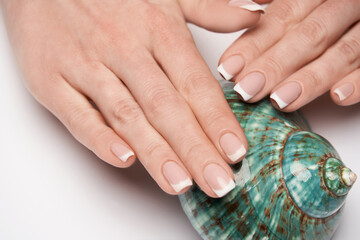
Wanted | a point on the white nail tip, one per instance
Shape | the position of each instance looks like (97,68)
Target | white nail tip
(253,7)
(181,185)
(239,153)
(126,156)
(227,188)
(340,94)
(241,91)
(248,5)
(278,100)
(224,73)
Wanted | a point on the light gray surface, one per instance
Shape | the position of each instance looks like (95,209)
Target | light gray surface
(51,187)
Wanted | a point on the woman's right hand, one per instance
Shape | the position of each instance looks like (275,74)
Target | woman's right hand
(137,62)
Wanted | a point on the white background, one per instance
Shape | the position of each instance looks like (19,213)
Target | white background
(51,187)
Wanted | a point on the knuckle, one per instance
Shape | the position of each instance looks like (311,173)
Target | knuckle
(77,118)
(153,150)
(313,32)
(285,14)
(350,48)
(193,151)
(215,116)
(162,99)
(194,82)
(314,77)
(157,19)
(274,66)
(126,111)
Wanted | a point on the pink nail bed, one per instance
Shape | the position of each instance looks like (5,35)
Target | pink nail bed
(122,152)
(218,179)
(247,4)
(250,85)
(286,94)
(344,91)
(176,176)
(231,66)
(232,146)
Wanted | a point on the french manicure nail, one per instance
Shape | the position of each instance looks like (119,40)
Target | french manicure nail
(218,179)
(250,85)
(344,91)
(230,67)
(176,176)
(122,152)
(247,4)
(232,146)
(286,94)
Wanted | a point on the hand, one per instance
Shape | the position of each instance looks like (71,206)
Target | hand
(299,50)
(137,63)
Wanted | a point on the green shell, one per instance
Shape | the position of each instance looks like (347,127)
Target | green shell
(289,186)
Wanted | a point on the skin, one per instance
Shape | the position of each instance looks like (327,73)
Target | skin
(128,72)
(315,43)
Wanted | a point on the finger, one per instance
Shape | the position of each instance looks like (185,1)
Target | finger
(86,124)
(193,80)
(281,15)
(319,76)
(222,16)
(125,116)
(301,45)
(170,115)
(347,91)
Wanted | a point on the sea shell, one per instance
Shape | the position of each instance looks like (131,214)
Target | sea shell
(291,185)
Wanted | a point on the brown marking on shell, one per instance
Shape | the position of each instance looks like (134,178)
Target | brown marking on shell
(281,230)
(244,228)
(194,213)
(216,221)
(232,206)
(205,230)
(269,169)
(263,228)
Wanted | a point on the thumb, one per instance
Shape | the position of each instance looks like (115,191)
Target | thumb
(222,15)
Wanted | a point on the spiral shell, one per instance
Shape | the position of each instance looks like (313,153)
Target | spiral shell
(291,185)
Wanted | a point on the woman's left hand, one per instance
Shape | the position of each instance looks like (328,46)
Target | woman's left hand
(299,50)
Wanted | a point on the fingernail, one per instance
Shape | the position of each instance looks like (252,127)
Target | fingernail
(218,179)
(247,4)
(232,146)
(250,85)
(286,94)
(344,91)
(230,67)
(122,152)
(176,176)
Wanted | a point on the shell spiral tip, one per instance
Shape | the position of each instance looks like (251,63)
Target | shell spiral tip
(348,176)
